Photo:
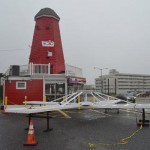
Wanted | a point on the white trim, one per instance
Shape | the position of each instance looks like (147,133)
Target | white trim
(49,68)
(19,78)
(4,91)
(49,16)
(43,89)
(30,68)
(66,87)
(20,88)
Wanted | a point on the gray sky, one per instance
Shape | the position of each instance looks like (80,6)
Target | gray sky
(100,33)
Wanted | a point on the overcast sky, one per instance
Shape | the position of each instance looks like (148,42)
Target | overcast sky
(112,34)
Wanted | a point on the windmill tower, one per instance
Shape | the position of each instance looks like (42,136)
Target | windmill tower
(46,45)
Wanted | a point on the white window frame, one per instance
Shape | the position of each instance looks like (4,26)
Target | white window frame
(25,85)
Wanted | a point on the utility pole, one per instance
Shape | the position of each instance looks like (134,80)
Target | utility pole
(101,72)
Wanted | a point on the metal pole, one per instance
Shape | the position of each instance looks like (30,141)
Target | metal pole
(47,119)
(143,116)
(101,77)
(101,81)
(66,87)
(108,86)
(115,87)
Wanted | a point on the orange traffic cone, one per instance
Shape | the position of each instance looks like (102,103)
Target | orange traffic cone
(31,137)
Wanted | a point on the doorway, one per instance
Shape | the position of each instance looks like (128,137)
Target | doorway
(54,91)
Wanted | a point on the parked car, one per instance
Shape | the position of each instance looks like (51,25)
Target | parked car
(127,98)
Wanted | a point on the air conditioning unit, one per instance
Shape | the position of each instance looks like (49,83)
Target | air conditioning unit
(14,70)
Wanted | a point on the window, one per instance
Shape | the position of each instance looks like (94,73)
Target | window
(20,85)
(40,69)
(54,90)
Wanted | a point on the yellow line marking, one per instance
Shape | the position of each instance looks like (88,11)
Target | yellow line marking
(131,111)
(75,112)
(100,112)
(64,114)
(122,141)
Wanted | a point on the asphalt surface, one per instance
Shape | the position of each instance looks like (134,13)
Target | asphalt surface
(75,133)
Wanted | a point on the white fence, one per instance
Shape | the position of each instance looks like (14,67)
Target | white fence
(32,69)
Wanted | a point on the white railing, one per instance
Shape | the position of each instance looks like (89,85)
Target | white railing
(7,72)
(32,69)
(25,70)
(40,68)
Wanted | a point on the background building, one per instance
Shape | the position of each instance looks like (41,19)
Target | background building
(120,83)
(89,87)
(75,79)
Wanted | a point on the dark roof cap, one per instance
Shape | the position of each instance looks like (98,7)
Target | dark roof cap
(47,12)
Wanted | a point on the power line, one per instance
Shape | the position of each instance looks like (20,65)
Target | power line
(11,50)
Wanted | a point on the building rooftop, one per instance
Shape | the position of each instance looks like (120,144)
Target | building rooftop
(47,12)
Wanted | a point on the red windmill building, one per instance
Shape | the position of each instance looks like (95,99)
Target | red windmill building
(46,45)
(46,74)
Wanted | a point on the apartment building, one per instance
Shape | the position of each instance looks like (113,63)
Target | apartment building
(119,83)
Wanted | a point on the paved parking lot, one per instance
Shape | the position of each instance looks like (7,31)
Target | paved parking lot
(75,133)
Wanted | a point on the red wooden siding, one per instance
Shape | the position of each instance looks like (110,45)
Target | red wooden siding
(33,91)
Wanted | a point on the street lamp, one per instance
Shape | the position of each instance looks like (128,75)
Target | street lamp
(101,70)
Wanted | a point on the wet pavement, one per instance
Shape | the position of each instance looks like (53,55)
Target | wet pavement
(102,130)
